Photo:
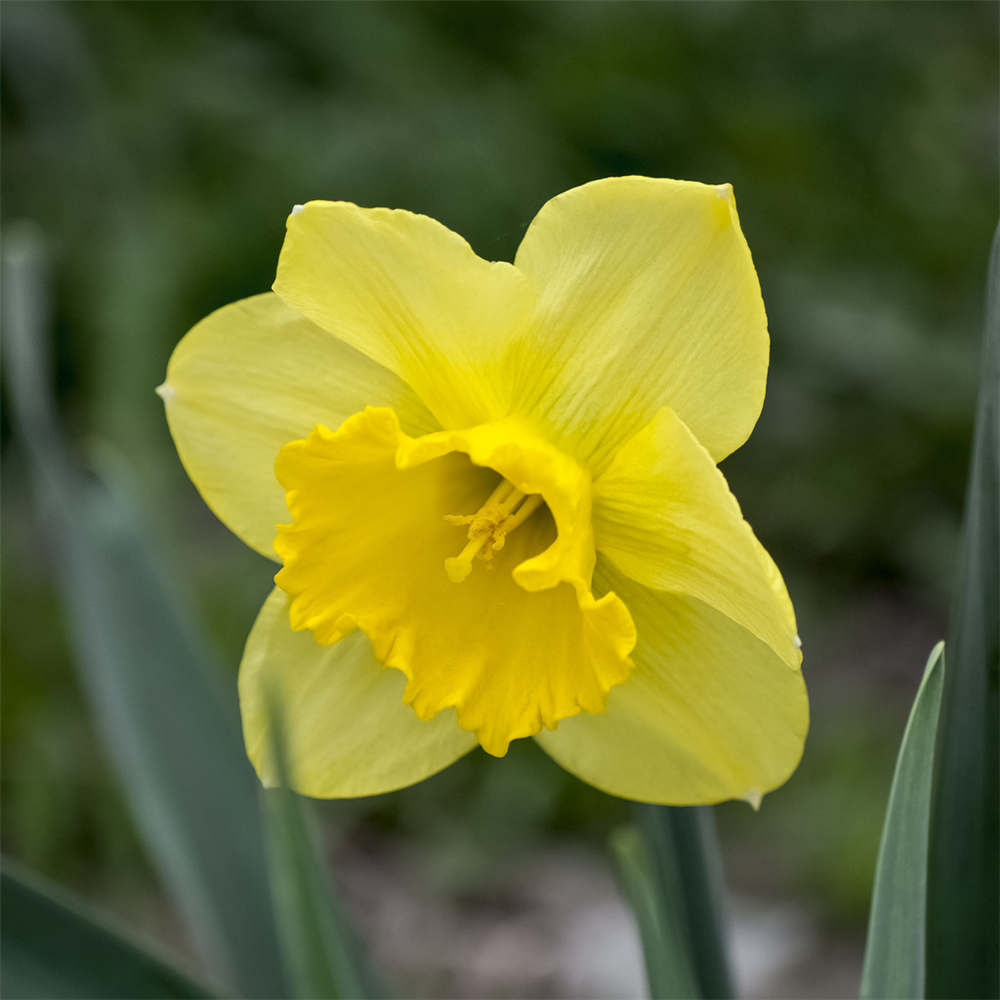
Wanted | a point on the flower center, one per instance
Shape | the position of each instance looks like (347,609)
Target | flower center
(503,511)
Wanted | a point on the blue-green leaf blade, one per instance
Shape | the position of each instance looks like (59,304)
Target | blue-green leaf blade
(963,906)
(894,955)
(55,946)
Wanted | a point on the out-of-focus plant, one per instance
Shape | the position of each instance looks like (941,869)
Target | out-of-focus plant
(169,729)
(56,946)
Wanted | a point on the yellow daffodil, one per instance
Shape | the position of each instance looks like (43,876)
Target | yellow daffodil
(499,480)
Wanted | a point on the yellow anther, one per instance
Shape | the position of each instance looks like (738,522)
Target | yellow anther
(489,526)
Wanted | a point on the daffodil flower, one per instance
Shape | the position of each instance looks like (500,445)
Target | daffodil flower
(499,482)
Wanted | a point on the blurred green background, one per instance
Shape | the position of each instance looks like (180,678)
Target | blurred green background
(160,147)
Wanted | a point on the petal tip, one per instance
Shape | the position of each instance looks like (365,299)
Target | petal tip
(296,209)
(724,205)
(165,391)
(797,641)
(753,797)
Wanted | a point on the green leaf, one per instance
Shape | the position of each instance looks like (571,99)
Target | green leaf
(55,946)
(894,956)
(672,875)
(963,902)
(321,954)
(168,728)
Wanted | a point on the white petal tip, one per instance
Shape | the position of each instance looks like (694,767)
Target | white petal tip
(753,798)
(723,190)
(798,642)
(296,209)
(166,392)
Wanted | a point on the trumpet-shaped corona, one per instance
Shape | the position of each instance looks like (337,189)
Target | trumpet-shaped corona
(493,491)
(516,647)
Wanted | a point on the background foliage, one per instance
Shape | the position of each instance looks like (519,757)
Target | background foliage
(160,147)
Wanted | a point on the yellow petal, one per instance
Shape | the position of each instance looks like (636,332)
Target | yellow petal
(514,643)
(412,295)
(665,516)
(647,298)
(709,712)
(248,379)
(348,731)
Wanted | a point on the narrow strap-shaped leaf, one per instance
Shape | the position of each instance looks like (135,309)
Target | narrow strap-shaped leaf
(322,955)
(963,903)
(170,732)
(56,946)
(894,955)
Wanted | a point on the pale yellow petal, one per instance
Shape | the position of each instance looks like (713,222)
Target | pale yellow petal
(248,379)
(412,295)
(374,531)
(709,712)
(648,297)
(348,731)
(664,514)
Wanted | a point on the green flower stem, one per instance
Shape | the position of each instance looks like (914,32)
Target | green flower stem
(672,876)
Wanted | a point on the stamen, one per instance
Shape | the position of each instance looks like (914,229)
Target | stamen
(460,566)
(504,510)
(530,505)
